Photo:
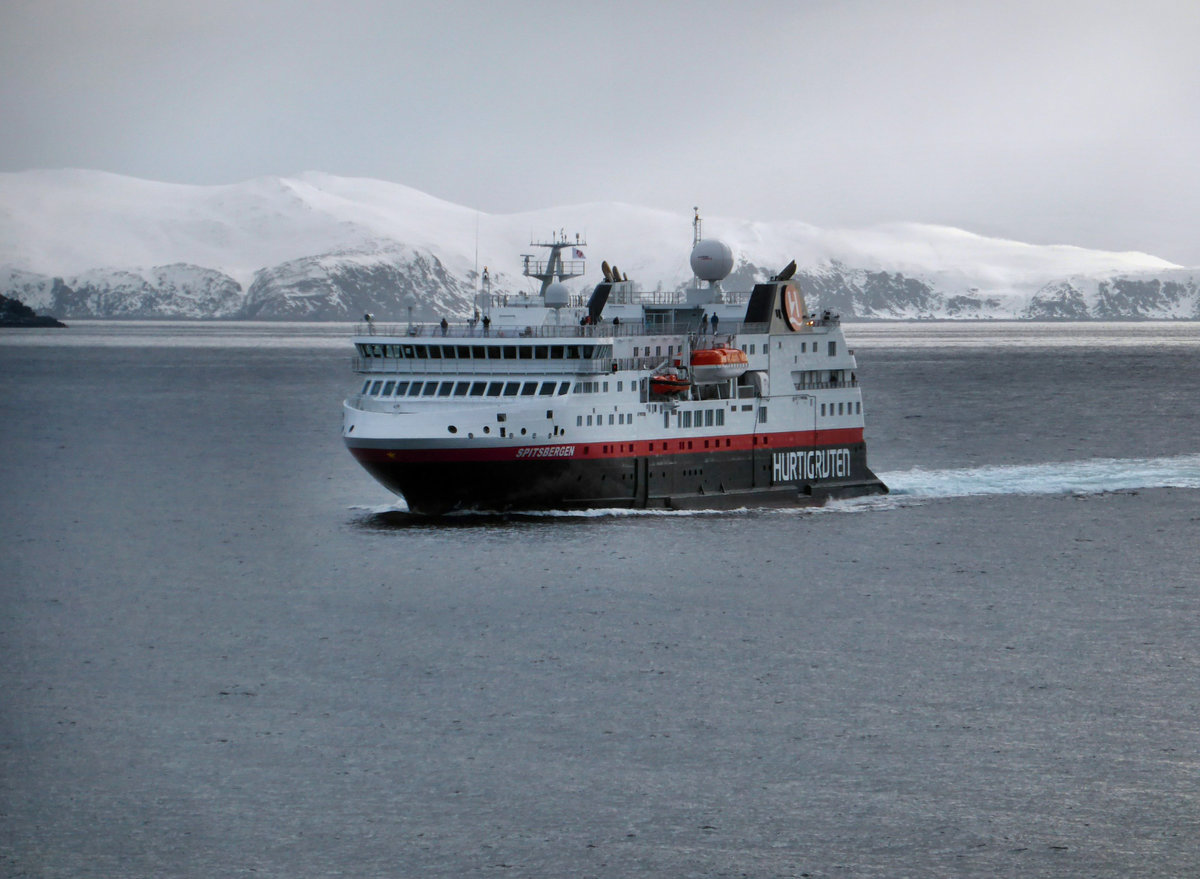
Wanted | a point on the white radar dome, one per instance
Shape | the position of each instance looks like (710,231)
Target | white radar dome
(712,260)
(557,295)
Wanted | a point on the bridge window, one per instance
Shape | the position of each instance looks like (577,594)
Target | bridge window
(477,388)
(563,386)
(529,389)
(460,389)
(375,386)
(366,386)
(401,388)
(511,389)
(832,348)
(430,389)
(388,388)
(547,388)
(494,389)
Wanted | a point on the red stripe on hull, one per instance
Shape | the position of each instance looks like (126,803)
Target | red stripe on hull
(617,449)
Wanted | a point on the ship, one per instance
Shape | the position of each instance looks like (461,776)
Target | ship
(700,398)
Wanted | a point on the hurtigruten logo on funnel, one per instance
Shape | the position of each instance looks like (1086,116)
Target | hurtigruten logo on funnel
(813,464)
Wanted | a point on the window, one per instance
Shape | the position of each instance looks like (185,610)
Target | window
(388,387)
(858,408)
(477,388)
(435,352)
(832,348)
(589,421)
(494,388)
(460,389)
(375,386)
(415,390)
(529,389)
(479,352)
(547,388)
(401,388)
(430,389)
(708,418)
(526,352)
(463,352)
(511,388)
(562,387)
(687,419)
(822,410)
(509,353)
(445,389)
(366,386)
(541,352)
(579,421)
(720,418)
(610,419)
(762,414)
(839,408)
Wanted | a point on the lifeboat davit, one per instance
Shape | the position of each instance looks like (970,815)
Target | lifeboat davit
(668,385)
(711,365)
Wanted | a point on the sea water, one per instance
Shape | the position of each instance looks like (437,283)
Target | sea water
(224,650)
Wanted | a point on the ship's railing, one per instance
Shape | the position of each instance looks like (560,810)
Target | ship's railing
(417,366)
(603,330)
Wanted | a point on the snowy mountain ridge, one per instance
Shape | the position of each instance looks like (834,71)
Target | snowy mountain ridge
(317,246)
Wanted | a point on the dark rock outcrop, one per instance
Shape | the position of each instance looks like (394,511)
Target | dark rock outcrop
(14,313)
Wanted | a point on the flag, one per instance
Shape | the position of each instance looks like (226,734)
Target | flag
(578,253)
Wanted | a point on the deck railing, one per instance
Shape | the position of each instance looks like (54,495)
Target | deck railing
(606,330)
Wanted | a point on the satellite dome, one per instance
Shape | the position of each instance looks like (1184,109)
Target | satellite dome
(557,295)
(712,260)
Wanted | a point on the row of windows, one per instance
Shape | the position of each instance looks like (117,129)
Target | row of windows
(804,348)
(698,418)
(379,388)
(485,352)
(851,408)
(619,418)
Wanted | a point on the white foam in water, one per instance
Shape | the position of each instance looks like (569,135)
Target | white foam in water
(1094,476)
(1069,477)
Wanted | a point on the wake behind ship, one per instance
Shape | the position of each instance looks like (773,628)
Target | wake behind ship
(703,399)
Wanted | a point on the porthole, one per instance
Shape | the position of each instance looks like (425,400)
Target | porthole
(452,429)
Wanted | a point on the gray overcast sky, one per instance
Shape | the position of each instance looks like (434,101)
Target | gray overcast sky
(1051,122)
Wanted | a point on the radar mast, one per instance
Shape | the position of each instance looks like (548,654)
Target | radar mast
(554,266)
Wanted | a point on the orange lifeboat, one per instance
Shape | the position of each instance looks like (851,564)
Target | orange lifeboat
(668,385)
(711,365)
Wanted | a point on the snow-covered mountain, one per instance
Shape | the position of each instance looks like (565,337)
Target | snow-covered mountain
(316,246)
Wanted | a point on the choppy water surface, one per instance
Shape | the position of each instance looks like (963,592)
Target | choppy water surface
(224,650)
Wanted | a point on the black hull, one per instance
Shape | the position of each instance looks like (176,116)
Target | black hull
(709,480)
